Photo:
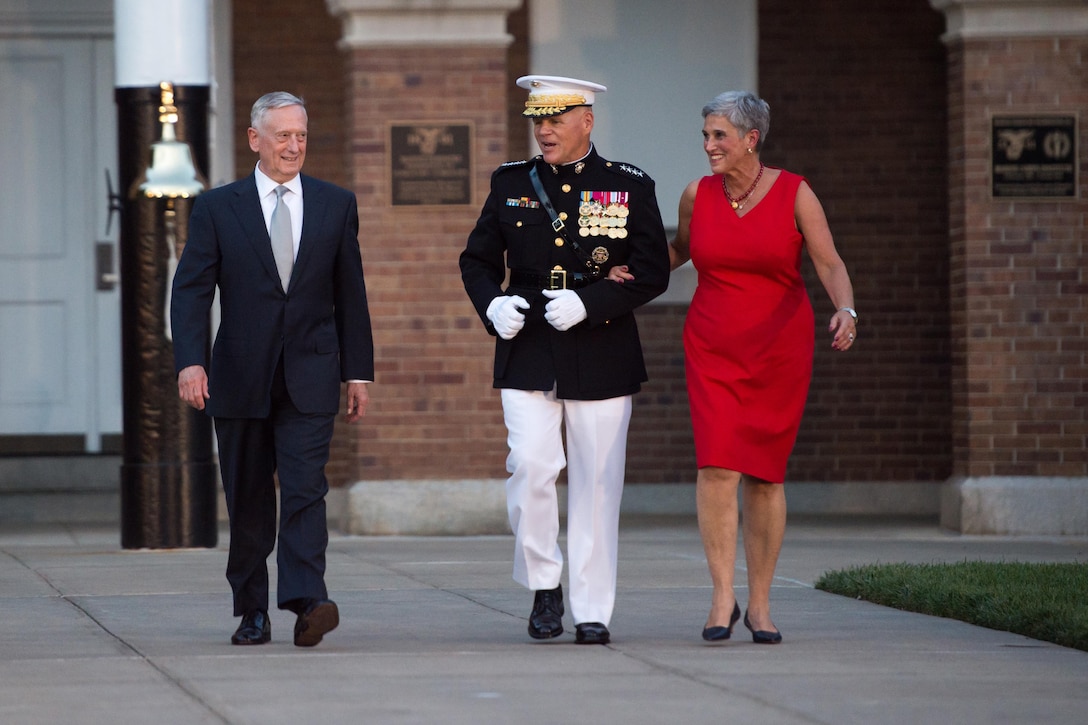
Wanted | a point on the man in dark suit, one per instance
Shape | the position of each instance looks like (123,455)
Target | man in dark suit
(568,351)
(283,250)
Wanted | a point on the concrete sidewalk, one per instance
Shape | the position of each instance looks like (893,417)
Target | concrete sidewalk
(433,631)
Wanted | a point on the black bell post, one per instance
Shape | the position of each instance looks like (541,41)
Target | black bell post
(169,485)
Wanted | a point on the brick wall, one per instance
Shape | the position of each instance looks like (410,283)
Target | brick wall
(434,413)
(291,46)
(517,65)
(281,46)
(1019,287)
(660,447)
(858,108)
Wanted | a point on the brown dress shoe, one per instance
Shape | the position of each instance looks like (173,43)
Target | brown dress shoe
(317,619)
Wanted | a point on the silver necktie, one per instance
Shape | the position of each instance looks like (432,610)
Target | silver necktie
(283,245)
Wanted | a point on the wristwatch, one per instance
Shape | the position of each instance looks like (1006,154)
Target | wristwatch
(851,311)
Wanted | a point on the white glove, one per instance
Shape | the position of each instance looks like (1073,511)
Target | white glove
(504,313)
(565,310)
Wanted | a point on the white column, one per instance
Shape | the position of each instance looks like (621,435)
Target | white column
(161,40)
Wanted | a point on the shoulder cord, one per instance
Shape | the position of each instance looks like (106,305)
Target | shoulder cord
(560,227)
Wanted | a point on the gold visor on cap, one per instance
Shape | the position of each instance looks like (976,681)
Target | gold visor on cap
(550,104)
(553,95)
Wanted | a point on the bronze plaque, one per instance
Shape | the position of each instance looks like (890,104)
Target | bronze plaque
(431,163)
(1035,156)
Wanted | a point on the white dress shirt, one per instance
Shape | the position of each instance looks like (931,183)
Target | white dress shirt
(266,190)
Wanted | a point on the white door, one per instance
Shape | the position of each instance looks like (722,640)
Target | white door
(60,369)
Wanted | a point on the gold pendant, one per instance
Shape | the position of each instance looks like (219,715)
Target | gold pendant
(735,205)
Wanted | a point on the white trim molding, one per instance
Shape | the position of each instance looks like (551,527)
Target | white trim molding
(424,508)
(981,19)
(385,23)
(478,507)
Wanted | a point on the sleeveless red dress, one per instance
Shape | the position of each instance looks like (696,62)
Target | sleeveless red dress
(749,334)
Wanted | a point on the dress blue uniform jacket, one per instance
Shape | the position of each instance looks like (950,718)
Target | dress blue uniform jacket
(600,357)
(320,325)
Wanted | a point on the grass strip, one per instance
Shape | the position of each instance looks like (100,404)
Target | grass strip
(1047,601)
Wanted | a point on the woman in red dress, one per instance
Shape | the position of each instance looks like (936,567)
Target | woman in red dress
(748,345)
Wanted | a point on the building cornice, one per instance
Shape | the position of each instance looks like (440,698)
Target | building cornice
(421,23)
(983,19)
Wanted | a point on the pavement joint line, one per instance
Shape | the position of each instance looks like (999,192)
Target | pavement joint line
(71,600)
(794,582)
(392,569)
(704,682)
(195,697)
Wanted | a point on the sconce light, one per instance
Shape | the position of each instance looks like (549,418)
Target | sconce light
(172,174)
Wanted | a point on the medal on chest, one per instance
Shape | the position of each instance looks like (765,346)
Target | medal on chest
(603,213)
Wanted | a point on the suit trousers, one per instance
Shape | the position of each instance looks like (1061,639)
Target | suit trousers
(252,451)
(596,438)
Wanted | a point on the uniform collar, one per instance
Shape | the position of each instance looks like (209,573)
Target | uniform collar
(574,167)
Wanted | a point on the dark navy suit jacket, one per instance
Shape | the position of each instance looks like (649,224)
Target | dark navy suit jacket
(320,324)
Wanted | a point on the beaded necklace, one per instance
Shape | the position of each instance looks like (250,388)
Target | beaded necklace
(739,202)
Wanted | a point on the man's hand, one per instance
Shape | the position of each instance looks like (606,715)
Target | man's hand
(193,386)
(358,400)
(505,314)
(565,310)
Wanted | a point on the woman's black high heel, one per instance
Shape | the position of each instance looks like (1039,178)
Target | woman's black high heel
(761,636)
(718,634)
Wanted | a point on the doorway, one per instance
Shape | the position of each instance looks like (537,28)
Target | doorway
(60,357)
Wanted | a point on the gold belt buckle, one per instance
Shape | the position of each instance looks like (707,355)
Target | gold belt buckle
(558,278)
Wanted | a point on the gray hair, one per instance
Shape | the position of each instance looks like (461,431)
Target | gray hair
(270,102)
(745,110)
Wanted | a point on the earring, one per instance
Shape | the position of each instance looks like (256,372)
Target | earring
(749,149)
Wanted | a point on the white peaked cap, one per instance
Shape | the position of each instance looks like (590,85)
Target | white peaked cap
(553,95)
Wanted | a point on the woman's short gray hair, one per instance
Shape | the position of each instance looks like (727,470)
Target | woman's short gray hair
(743,109)
(270,102)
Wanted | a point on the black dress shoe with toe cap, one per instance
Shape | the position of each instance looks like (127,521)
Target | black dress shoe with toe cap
(254,628)
(592,633)
(546,619)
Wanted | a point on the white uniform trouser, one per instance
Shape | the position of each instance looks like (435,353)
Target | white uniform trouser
(596,433)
